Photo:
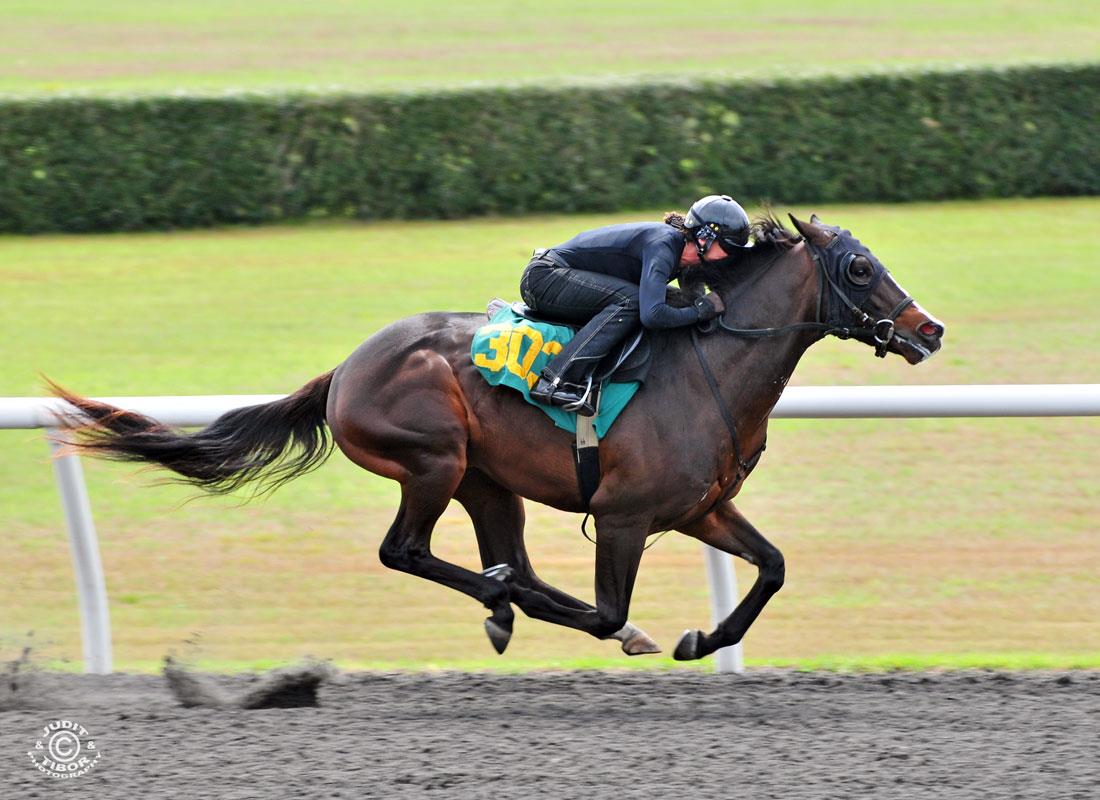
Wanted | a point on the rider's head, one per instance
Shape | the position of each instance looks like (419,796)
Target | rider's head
(717,218)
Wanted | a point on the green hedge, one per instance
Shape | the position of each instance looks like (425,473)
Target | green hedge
(85,164)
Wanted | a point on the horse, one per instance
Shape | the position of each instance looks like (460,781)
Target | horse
(409,405)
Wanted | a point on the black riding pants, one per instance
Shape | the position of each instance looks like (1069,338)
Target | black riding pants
(608,305)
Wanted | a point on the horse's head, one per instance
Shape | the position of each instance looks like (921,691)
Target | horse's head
(859,295)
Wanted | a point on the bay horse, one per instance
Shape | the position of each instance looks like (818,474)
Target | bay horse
(409,405)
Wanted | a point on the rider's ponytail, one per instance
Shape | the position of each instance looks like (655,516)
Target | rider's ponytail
(675,219)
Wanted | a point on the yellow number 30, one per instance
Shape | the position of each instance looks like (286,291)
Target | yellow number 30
(510,349)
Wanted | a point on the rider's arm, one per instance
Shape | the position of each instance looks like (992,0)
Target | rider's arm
(658,259)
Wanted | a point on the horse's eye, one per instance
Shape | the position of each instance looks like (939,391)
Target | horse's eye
(860,272)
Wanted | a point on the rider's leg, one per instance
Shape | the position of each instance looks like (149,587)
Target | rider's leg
(609,304)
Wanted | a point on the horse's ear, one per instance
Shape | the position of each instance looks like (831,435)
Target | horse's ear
(812,230)
(799,225)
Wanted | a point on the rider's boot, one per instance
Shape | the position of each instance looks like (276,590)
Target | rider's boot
(581,398)
(567,380)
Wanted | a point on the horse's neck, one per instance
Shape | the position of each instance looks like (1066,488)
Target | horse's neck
(752,373)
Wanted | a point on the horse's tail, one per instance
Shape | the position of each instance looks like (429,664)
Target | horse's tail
(267,444)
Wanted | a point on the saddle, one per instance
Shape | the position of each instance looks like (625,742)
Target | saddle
(620,374)
(626,362)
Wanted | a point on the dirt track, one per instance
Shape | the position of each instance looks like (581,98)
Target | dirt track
(583,735)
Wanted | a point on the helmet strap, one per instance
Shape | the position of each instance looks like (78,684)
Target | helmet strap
(704,237)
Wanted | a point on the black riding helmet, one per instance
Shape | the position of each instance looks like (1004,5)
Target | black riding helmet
(718,218)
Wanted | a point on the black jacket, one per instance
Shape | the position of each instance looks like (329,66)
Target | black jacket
(645,253)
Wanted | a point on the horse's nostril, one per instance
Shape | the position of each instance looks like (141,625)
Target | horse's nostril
(930,329)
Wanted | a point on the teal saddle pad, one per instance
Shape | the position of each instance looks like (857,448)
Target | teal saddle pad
(511,351)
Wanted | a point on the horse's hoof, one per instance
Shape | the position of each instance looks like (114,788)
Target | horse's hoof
(498,635)
(501,572)
(635,641)
(689,646)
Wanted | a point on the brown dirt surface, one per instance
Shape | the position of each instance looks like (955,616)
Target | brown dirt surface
(578,734)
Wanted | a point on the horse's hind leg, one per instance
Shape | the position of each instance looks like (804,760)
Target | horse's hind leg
(727,530)
(407,548)
(498,519)
(413,429)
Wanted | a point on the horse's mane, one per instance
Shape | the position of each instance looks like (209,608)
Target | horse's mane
(770,239)
(769,232)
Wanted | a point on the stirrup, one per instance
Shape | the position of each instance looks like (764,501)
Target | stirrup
(579,404)
(589,403)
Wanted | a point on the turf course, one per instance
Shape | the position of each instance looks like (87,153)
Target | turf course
(206,45)
(922,543)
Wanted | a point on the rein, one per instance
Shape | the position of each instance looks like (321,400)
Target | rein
(723,409)
(881,331)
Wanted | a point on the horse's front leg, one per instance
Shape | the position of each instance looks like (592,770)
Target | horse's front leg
(727,530)
(620,541)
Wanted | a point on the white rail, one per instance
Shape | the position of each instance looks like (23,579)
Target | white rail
(819,402)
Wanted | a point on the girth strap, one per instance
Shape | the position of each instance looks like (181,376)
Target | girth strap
(586,458)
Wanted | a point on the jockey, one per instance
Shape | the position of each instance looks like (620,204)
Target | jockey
(615,277)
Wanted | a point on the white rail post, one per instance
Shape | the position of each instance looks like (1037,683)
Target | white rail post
(723,599)
(91,588)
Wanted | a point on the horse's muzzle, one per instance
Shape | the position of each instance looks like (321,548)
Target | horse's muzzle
(917,335)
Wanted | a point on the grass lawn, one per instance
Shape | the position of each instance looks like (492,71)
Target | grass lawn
(128,45)
(909,543)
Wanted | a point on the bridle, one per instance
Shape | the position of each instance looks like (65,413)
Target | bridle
(832,267)
(845,318)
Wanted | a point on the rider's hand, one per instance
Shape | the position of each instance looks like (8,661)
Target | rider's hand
(709,306)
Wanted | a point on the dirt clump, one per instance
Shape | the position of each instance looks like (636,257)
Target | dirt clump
(288,687)
(17,684)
